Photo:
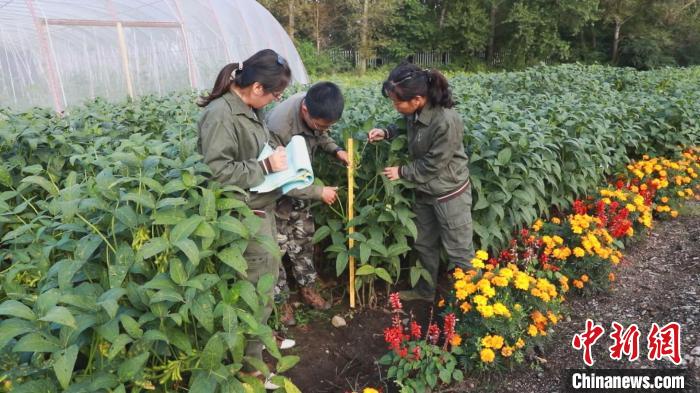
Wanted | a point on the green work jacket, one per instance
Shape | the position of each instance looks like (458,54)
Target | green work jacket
(231,137)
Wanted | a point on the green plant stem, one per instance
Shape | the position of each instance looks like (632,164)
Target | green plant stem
(97,231)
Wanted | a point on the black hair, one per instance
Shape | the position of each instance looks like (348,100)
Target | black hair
(408,80)
(265,67)
(325,101)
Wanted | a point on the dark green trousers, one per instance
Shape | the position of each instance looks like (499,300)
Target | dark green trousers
(443,223)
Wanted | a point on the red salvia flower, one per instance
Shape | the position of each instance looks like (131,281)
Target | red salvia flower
(415,330)
(395,301)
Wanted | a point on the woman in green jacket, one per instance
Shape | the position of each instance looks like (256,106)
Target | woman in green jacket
(437,167)
(232,135)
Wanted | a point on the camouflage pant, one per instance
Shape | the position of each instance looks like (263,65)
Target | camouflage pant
(295,227)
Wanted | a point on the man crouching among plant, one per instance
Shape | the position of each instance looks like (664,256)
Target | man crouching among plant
(310,115)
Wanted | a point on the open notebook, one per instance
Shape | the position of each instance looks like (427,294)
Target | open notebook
(298,173)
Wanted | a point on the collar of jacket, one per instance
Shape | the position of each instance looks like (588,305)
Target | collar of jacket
(425,115)
(239,107)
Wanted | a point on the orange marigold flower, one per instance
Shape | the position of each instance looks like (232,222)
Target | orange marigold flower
(584,278)
(611,276)
(578,284)
(456,340)
(465,307)
(506,351)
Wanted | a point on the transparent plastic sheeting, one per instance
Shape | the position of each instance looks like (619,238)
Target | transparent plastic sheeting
(61,52)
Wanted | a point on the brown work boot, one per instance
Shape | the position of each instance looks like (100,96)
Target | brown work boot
(311,297)
(287,314)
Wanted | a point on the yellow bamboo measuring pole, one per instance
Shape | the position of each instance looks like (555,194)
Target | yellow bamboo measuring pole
(351,214)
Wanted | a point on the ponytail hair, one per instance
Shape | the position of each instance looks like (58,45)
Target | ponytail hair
(408,80)
(265,67)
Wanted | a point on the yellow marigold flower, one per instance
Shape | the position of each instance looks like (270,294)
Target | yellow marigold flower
(506,351)
(470,288)
(456,340)
(483,255)
(532,330)
(370,390)
(465,307)
(520,343)
(480,300)
(674,213)
(500,309)
(518,307)
(579,252)
(477,263)
(630,207)
(630,232)
(680,194)
(506,272)
(522,281)
(584,278)
(614,259)
(552,317)
(461,294)
(458,274)
(555,220)
(496,342)
(487,355)
(460,284)
(500,281)
(489,291)
(486,311)
(537,225)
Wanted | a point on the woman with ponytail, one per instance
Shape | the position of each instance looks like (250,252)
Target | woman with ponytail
(437,167)
(232,135)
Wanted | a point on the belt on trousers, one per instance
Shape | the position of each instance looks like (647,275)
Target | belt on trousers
(453,194)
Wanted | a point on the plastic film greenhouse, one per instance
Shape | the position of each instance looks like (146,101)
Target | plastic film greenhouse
(60,52)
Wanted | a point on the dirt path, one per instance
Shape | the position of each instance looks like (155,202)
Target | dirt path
(659,281)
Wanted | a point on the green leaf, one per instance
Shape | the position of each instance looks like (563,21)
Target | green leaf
(130,325)
(64,362)
(341,262)
(170,202)
(132,367)
(202,310)
(287,362)
(177,271)
(320,234)
(504,156)
(365,252)
(185,228)
(35,342)
(118,270)
(265,283)
(190,249)
(230,224)
(17,309)
(213,353)
(41,182)
(118,344)
(144,198)
(11,328)
(60,315)
(233,257)
(127,216)
(383,274)
(207,206)
(289,387)
(153,247)
(365,270)
(5,177)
